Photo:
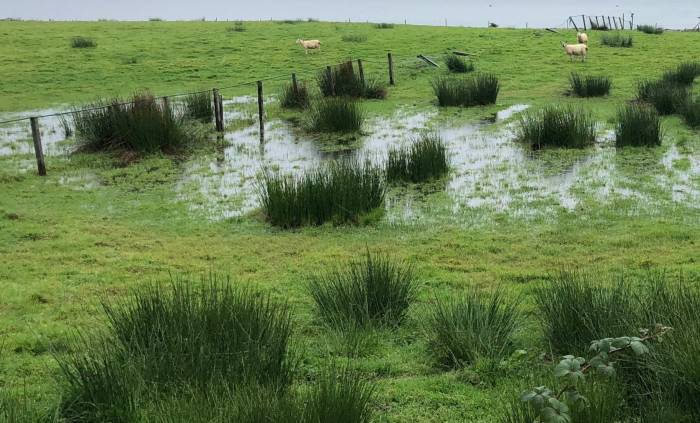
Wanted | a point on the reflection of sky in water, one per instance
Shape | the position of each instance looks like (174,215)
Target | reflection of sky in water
(16,137)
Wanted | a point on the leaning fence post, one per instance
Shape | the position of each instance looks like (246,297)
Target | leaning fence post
(38,151)
(329,73)
(295,85)
(583,18)
(361,71)
(391,69)
(261,111)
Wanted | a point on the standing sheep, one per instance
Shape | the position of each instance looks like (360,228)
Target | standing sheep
(309,45)
(580,50)
(582,38)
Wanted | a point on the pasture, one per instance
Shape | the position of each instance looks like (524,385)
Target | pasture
(476,266)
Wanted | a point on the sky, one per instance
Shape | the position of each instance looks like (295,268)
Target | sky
(517,13)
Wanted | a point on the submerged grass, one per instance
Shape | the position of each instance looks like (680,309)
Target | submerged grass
(456,64)
(590,86)
(473,326)
(375,292)
(199,106)
(666,96)
(423,160)
(556,126)
(336,114)
(340,192)
(480,90)
(617,40)
(638,125)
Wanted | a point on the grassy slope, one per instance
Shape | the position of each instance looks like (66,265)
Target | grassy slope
(68,247)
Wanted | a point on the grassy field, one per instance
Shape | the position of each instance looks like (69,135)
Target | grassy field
(93,228)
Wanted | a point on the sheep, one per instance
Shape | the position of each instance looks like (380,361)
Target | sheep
(582,38)
(309,45)
(575,50)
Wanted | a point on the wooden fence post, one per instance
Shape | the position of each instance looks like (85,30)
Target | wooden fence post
(391,69)
(632,22)
(597,24)
(583,18)
(38,150)
(329,72)
(261,111)
(295,85)
(166,103)
(215,95)
(221,112)
(361,71)
(574,23)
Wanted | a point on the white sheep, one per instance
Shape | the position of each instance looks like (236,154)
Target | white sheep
(582,38)
(575,50)
(309,45)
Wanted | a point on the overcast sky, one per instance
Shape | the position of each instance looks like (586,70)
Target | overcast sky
(670,13)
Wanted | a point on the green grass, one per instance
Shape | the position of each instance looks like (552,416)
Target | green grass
(384,25)
(690,110)
(590,86)
(374,292)
(295,99)
(341,192)
(480,90)
(83,42)
(456,64)
(336,114)
(638,125)
(425,159)
(554,126)
(199,106)
(666,96)
(354,38)
(683,74)
(617,40)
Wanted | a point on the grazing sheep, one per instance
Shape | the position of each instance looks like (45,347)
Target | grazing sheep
(309,45)
(582,38)
(572,50)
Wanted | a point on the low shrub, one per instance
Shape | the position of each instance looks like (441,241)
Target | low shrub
(472,326)
(424,159)
(375,292)
(294,99)
(456,64)
(83,42)
(684,74)
(556,126)
(638,125)
(354,38)
(617,40)
(664,95)
(340,192)
(336,114)
(650,29)
(590,86)
(199,106)
(479,90)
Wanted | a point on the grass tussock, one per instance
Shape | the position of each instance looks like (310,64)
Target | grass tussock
(650,29)
(384,25)
(425,159)
(343,81)
(336,114)
(298,98)
(664,95)
(474,326)
(456,64)
(340,395)
(617,40)
(690,110)
(144,126)
(479,90)
(354,38)
(340,192)
(83,42)
(375,292)
(556,126)
(683,74)
(638,125)
(199,106)
(236,27)
(590,86)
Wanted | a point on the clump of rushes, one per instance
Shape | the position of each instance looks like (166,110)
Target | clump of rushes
(556,126)
(476,325)
(384,25)
(237,27)
(650,29)
(590,86)
(342,81)
(294,98)
(336,114)
(83,42)
(340,192)
(664,95)
(574,307)
(638,125)
(479,90)
(375,292)
(354,38)
(456,64)
(423,160)
(684,74)
(198,106)
(374,89)
(617,40)
(143,125)
(690,110)
(340,395)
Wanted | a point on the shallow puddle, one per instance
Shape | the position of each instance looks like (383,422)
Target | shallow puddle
(16,137)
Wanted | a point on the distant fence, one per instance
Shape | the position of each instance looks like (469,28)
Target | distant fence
(600,22)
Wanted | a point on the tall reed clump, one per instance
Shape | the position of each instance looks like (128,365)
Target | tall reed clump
(375,292)
(336,114)
(617,40)
(424,159)
(556,126)
(199,106)
(590,86)
(690,110)
(456,64)
(342,192)
(83,42)
(340,395)
(576,308)
(638,125)
(475,325)
(479,90)
(666,96)
(292,98)
(142,125)
(683,74)
(650,29)
(342,81)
